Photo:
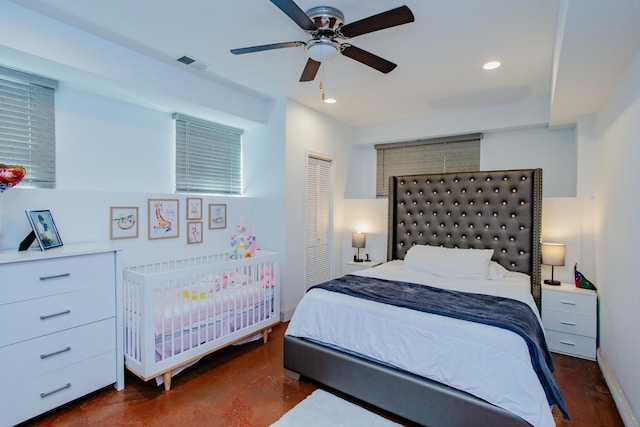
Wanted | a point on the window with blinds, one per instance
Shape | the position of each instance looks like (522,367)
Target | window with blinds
(208,157)
(27,126)
(436,155)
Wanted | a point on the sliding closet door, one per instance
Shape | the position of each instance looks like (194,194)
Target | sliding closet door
(319,226)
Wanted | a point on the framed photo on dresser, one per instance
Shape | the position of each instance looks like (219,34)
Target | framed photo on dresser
(44,229)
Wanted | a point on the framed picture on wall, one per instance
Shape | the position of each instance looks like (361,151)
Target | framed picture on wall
(164,216)
(44,229)
(217,217)
(194,208)
(194,232)
(124,222)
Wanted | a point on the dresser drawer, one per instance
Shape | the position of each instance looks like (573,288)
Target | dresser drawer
(42,355)
(575,345)
(573,302)
(42,316)
(572,323)
(37,395)
(26,280)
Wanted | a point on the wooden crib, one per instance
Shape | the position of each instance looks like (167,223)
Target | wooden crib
(179,310)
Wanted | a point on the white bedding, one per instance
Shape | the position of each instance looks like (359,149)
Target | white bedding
(488,362)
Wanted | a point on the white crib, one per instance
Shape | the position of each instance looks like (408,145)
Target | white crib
(177,311)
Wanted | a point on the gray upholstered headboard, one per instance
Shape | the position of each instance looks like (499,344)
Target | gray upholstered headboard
(498,210)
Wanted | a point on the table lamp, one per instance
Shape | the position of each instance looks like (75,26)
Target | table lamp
(553,254)
(358,240)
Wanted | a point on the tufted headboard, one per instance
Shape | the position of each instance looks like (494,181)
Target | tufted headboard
(498,210)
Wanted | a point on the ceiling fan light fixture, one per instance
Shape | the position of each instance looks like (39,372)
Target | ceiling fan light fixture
(323,49)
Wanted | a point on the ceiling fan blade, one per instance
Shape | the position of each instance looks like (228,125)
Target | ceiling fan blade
(265,47)
(296,14)
(310,71)
(388,19)
(367,58)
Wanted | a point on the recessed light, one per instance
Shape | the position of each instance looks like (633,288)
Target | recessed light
(492,65)
(330,100)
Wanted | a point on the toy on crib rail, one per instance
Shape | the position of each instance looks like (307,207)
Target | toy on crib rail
(242,246)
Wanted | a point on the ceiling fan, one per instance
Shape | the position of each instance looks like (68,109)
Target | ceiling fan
(325,25)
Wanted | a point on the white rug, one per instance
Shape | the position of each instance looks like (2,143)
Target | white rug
(322,409)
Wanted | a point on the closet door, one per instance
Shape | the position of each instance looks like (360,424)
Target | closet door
(319,226)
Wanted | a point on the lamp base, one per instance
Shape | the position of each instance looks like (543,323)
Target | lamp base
(552,282)
(356,259)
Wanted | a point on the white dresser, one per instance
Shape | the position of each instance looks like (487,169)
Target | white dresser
(570,320)
(61,329)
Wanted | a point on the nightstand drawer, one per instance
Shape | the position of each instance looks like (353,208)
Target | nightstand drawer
(575,345)
(573,302)
(572,323)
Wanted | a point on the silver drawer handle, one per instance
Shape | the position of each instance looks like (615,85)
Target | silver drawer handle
(564,322)
(56,276)
(47,316)
(568,302)
(567,343)
(49,393)
(44,356)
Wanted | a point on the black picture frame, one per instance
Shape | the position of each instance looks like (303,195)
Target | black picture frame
(44,229)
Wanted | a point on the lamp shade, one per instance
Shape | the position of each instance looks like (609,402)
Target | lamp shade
(358,240)
(553,253)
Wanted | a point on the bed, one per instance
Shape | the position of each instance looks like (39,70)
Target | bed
(180,310)
(431,368)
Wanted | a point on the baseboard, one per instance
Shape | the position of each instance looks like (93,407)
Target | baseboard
(285,315)
(619,398)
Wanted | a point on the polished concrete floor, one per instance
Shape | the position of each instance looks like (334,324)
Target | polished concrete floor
(245,386)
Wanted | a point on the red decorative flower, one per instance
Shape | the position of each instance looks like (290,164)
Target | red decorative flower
(10,176)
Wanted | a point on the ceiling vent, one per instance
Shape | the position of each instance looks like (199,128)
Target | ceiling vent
(198,65)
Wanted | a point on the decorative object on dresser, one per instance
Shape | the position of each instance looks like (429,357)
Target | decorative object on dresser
(44,231)
(178,310)
(67,342)
(358,240)
(552,254)
(570,319)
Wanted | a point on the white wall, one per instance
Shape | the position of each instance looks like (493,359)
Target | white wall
(553,150)
(308,132)
(617,231)
(112,153)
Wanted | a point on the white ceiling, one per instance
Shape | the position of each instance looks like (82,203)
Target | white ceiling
(566,53)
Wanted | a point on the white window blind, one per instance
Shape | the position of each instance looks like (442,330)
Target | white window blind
(208,157)
(436,155)
(27,125)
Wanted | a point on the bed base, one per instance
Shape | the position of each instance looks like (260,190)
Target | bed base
(415,398)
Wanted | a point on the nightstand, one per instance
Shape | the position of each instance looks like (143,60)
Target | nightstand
(570,319)
(353,266)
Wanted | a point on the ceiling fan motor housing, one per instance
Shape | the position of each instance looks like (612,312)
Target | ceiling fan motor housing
(326,18)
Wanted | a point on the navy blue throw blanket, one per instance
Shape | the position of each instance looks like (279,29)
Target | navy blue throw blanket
(491,310)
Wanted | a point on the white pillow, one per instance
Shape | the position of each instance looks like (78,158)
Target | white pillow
(497,271)
(449,262)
